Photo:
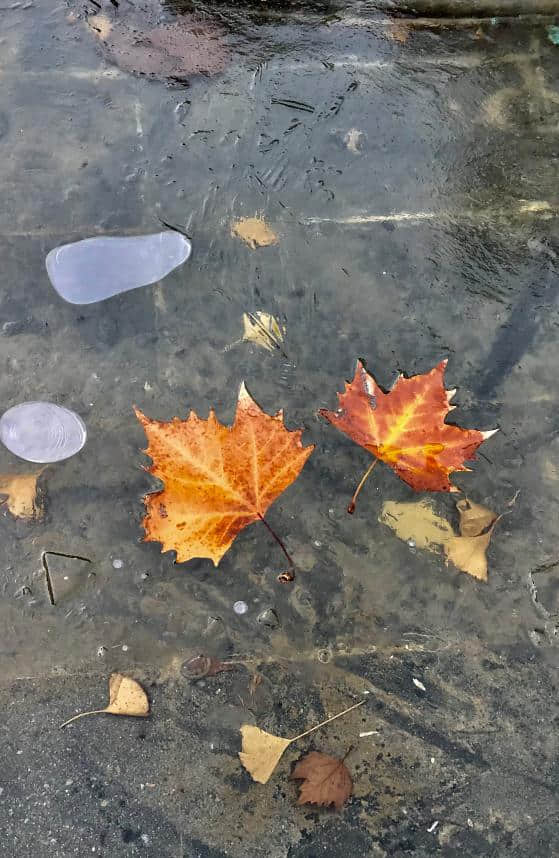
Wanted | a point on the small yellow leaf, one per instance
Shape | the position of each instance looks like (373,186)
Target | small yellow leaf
(126,697)
(474,518)
(468,553)
(254,231)
(20,491)
(261,752)
(262,329)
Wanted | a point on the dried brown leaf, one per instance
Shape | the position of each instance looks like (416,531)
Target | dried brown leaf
(468,553)
(474,518)
(326,780)
(254,231)
(126,697)
(420,523)
(20,492)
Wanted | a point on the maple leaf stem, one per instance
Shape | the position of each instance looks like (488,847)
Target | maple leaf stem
(351,505)
(291,571)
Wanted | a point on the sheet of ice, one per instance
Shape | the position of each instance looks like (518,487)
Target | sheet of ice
(42,431)
(97,268)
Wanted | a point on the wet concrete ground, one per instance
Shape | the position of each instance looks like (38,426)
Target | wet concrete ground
(413,191)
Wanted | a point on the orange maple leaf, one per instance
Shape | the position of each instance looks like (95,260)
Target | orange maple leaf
(217,479)
(405,427)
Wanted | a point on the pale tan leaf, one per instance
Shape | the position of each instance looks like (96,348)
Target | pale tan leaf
(262,329)
(261,752)
(254,231)
(418,522)
(474,518)
(126,697)
(468,553)
(20,492)
(326,780)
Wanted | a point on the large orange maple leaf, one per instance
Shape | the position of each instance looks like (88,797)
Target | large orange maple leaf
(405,427)
(217,479)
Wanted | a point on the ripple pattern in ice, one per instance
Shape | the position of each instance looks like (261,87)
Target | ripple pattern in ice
(97,268)
(42,432)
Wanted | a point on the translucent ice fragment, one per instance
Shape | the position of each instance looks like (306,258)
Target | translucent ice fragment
(42,432)
(97,268)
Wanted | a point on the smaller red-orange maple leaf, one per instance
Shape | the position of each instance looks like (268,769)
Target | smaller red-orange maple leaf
(217,479)
(405,427)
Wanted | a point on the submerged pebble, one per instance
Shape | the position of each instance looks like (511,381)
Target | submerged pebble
(98,268)
(42,432)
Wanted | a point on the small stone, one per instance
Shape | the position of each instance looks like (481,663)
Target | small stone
(240,607)
(102,651)
(118,563)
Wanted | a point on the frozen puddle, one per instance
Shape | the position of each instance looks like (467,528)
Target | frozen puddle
(42,432)
(97,268)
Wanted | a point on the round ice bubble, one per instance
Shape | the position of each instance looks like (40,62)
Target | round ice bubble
(42,432)
(97,268)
